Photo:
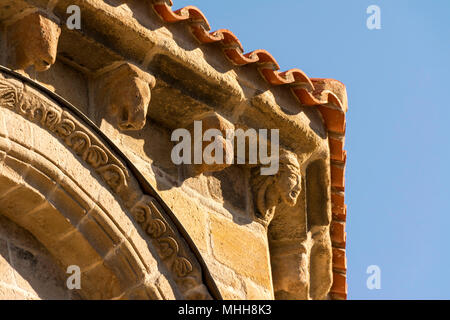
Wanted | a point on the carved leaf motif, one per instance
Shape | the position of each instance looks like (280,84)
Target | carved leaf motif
(156,228)
(8,96)
(114,176)
(65,128)
(52,118)
(26,108)
(39,113)
(79,142)
(95,156)
(182,267)
(141,213)
(168,247)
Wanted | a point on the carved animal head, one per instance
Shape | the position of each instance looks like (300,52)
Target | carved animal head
(34,42)
(129,103)
(126,93)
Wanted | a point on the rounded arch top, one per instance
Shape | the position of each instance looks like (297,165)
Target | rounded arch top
(69,185)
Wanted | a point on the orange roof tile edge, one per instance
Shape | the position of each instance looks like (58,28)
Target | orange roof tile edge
(310,92)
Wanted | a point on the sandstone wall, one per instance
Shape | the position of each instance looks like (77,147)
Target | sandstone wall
(178,82)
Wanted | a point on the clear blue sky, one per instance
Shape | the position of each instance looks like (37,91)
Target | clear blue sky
(398,131)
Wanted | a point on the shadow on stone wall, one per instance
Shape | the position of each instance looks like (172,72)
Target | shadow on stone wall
(27,270)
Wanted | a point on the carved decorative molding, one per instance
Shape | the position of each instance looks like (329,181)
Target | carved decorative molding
(148,214)
(146,210)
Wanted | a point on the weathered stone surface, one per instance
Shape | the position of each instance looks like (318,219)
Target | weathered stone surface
(37,270)
(229,187)
(18,130)
(191,214)
(60,196)
(68,83)
(143,292)
(156,152)
(210,161)
(225,276)
(241,250)
(255,292)
(12,293)
(166,289)
(6,271)
(230,293)
(27,270)
(33,41)
(126,92)
(291,276)
(193,217)
(100,283)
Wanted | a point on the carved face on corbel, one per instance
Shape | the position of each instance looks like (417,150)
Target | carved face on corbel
(216,146)
(33,41)
(125,93)
(289,180)
(284,187)
(129,103)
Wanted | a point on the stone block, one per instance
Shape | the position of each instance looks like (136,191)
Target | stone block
(191,215)
(100,283)
(33,41)
(6,271)
(74,249)
(11,293)
(255,292)
(241,250)
(38,273)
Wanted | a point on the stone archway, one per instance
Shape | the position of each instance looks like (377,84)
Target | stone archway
(62,182)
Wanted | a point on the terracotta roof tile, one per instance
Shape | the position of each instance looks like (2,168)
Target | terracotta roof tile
(339,260)
(338,234)
(339,288)
(338,176)
(339,213)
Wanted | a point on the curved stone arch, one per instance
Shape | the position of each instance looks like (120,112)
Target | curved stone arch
(72,189)
(299,238)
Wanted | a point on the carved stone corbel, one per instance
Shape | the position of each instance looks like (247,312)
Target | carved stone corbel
(299,237)
(33,41)
(283,187)
(208,148)
(125,93)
